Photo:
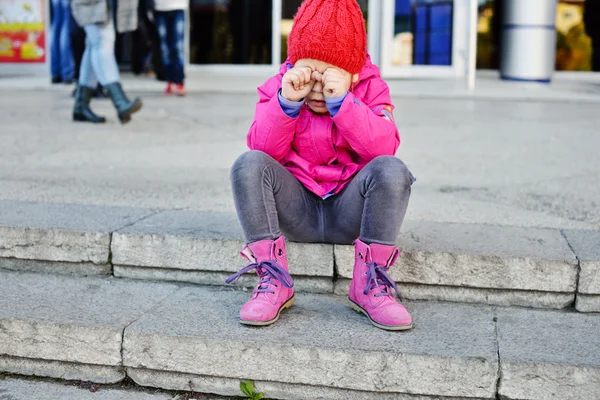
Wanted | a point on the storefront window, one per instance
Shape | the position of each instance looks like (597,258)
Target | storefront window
(231,31)
(423,32)
(573,45)
(288,11)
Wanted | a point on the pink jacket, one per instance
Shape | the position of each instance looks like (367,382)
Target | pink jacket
(324,152)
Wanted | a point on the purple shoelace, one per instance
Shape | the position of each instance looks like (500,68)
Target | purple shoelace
(267,271)
(377,276)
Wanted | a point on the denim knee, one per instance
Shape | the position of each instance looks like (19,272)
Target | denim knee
(101,38)
(389,171)
(249,165)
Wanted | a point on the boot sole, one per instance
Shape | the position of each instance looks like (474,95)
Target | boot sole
(125,118)
(81,118)
(359,309)
(285,305)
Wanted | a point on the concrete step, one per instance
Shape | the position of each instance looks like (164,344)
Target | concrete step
(473,263)
(187,337)
(21,388)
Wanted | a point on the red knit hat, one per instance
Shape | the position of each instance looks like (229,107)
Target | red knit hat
(332,31)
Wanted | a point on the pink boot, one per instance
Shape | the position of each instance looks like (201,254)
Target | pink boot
(370,289)
(275,290)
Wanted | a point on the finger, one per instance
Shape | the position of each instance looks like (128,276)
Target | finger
(317,76)
(328,87)
(304,73)
(295,79)
(308,75)
(330,79)
(330,72)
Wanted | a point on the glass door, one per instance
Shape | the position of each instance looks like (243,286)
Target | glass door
(231,32)
(423,38)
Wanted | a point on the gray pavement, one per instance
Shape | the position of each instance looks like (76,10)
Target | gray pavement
(478,160)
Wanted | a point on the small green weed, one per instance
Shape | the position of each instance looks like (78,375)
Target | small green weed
(248,389)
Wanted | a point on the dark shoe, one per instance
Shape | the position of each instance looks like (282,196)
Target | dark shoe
(124,107)
(56,80)
(82,111)
(68,81)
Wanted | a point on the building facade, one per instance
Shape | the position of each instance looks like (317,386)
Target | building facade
(407,38)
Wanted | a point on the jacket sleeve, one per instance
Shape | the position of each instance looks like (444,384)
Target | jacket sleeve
(368,126)
(272,130)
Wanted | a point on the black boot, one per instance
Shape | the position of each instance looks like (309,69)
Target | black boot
(124,107)
(82,111)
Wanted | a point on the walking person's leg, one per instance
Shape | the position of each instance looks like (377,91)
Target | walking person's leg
(370,212)
(101,39)
(177,50)
(86,87)
(55,28)
(162,25)
(67,65)
(77,45)
(271,202)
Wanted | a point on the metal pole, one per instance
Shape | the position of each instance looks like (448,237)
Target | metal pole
(276,31)
(472,64)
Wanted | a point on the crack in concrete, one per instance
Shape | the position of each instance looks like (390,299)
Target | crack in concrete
(127,326)
(562,233)
(497,337)
(111,235)
(145,217)
(19,246)
(110,254)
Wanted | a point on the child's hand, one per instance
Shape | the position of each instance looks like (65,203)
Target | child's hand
(335,82)
(297,83)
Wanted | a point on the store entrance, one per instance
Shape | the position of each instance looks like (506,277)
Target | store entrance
(231,31)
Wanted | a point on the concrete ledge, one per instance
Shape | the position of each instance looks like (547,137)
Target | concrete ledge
(55,267)
(17,388)
(61,370)
(479,256)
(307,284)
(452,353)
(184,338)
(587,303)
(586,245)
(440,261)
(54,245)
(274,390)
(205,241)
(549,382)
(498,297)
(72,319)
(61,232)
(548,355)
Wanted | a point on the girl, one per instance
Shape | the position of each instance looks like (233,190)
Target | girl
(322,167)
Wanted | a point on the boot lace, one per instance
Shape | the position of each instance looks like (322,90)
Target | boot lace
(377,278)
(269,272)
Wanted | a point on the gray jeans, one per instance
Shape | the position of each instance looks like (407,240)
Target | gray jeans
(270,201)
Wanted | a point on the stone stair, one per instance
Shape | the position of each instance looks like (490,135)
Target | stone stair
(472,263)
(186,337)
(100,293)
